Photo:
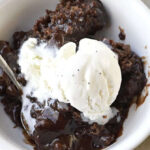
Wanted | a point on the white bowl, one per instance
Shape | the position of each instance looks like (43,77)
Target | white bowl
(132,15)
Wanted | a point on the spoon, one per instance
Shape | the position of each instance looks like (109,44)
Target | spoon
(11,75)
(9,72)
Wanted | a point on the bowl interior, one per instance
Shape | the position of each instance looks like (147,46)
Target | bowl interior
(132,16)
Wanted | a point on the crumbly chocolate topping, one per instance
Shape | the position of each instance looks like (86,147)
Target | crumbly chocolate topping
(71,21)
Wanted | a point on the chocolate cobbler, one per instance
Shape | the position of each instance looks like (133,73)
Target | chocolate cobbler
(72,20)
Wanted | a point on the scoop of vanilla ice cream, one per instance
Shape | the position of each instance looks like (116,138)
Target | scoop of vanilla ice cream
(88,79)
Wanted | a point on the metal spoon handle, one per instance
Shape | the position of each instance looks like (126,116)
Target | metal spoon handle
(9,72)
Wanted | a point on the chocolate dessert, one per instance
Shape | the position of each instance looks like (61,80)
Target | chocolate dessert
(71,21)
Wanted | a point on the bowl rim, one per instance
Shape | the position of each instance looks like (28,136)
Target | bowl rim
(146,132)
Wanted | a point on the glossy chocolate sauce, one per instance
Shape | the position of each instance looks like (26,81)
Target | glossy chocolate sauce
(58,128)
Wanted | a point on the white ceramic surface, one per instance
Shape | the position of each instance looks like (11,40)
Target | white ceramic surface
(132,15)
